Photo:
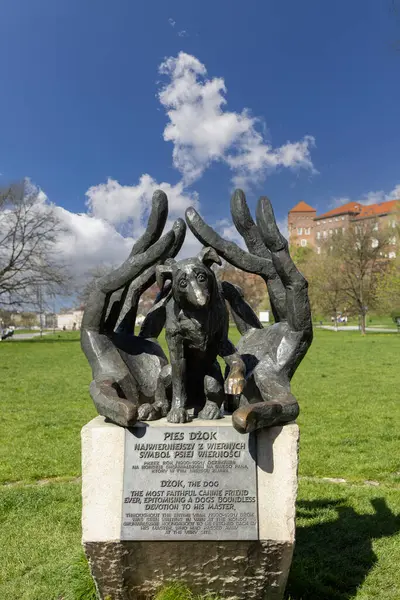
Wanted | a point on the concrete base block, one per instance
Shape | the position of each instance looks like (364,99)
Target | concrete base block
(233,569)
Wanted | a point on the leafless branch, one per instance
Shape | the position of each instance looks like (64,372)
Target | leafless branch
(29,229)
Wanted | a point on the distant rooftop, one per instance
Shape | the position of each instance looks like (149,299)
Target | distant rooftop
(377,210)
(302,207)
(361,211)
(350,207)
(356,209)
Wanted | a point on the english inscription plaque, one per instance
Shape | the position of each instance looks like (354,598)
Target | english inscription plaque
(189,482)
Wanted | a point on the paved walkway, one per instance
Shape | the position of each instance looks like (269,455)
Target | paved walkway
(356,328)
(26,336)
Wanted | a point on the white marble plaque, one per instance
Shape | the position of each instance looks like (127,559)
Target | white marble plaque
(189,482)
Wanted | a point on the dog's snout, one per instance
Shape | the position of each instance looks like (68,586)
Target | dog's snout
(199,293)
(201,296)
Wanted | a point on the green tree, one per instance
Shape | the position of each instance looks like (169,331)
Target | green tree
(301,255)
(325,277)
(388,289)
(362,252)
(28,319)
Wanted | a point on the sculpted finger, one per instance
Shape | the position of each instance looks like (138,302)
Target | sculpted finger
(179,229)
(228,250)
(298,313)
(135,265)
(155,224)
(127,316)
(245,225)
(267,226)
(251,233)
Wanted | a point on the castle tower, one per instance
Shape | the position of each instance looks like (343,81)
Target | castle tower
(301,225)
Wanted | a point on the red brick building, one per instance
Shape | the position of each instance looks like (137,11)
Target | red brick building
(308,229)
(301,223)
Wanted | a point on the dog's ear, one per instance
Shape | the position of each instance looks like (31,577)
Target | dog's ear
(209,256)
(164,272)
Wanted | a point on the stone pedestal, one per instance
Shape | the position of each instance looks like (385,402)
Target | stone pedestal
(124,568)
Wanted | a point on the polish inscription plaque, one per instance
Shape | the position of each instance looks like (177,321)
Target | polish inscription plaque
(189,482)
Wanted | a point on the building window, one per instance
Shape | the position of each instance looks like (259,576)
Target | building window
(343,229)
(318,250)
(330,232)
(342,218)
(336,230)
(307,231)
(374,243)
(393,224)
(318,235)
(375,227)
(299,230)
(330,220)
(325,234)
(392,240)
(304,243)
(337,219)
(392,254)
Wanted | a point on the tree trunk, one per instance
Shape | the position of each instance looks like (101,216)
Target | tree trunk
(363,320)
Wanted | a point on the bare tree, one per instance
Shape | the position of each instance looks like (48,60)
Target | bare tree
(29,229)
(362,253)
(91,276)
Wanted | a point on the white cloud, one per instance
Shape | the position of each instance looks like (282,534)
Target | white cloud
(92,239)
(117,215)
(373,197)
(171,22)
(395,193)
(127,206)
(202,131)
(339,201)
(227,230)
(381,196)
(88,242)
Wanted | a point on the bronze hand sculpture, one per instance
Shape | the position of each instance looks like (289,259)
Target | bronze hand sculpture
(125,367)
(272,354)
(131,375)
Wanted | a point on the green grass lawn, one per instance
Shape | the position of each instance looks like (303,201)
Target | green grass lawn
(27,330)
(348,543)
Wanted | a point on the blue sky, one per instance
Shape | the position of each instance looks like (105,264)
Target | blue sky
(80,103)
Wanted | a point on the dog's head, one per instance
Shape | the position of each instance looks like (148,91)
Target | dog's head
(193,281)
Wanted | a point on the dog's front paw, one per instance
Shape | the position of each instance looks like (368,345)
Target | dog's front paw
(177,415)
(162,407)
(210,411)
(148,412)
(234,385)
